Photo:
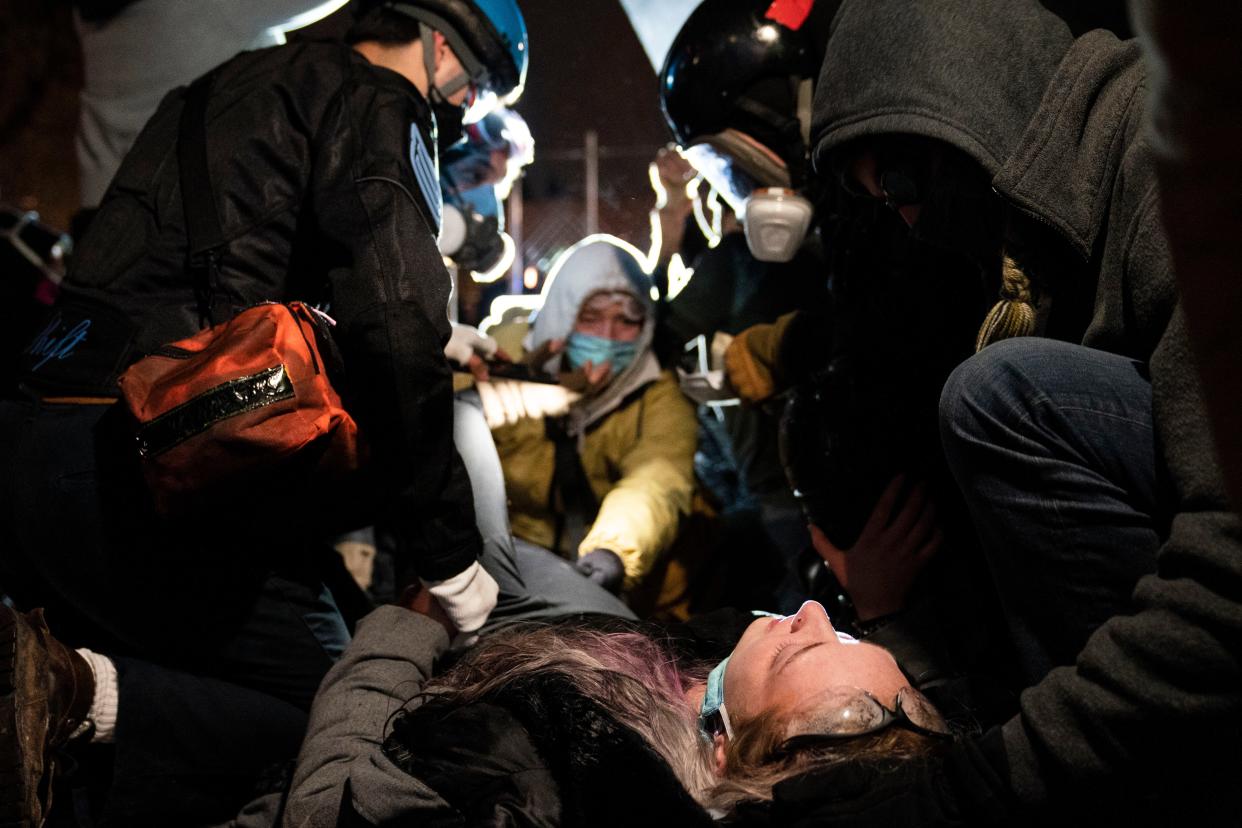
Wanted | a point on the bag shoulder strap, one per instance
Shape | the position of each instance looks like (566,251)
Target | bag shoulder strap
(570,498)
(204,237)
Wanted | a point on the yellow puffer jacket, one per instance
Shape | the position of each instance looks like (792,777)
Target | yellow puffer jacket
(639,461)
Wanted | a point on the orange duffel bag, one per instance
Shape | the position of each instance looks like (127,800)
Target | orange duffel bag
(241,416)
(235,403)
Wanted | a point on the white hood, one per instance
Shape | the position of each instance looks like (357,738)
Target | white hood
(594,266)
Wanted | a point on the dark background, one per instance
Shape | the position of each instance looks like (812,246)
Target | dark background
(588,72)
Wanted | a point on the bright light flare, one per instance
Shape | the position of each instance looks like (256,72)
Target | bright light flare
(529,302)
(502,266)
(679,276)
(709,227)
(314,15)
(661,192)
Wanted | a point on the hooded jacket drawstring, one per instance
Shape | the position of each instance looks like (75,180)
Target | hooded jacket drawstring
(1013,315)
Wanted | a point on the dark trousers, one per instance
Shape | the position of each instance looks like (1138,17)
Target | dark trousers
(1053,447)
(221,632)
(78,535)
(188,749)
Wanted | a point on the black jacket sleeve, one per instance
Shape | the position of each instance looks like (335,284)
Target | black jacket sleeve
(1154,693)
(389,295)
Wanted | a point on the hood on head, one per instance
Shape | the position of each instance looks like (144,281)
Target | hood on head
(586,269)
(970,73)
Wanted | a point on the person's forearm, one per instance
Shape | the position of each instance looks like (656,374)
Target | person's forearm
(385,665)
(403,403)
(1163,681)
(389,294)
(1195,81)
(639,518)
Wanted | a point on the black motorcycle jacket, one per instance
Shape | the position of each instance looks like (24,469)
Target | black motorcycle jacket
(323,171)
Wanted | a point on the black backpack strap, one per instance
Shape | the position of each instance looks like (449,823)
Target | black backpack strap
(204,238)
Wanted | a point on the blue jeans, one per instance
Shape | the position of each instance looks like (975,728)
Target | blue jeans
(1053,447)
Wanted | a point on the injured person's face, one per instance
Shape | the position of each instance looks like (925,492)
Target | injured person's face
(785,665)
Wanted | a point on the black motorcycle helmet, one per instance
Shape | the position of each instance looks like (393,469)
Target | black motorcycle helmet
(736,77)
(488,36)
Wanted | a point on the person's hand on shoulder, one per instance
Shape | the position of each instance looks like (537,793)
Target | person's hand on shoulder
(461,604)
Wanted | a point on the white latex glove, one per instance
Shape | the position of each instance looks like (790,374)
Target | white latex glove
(466,342)
(468,598)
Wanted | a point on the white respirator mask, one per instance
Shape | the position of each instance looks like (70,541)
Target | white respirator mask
(776,221)
(453,231)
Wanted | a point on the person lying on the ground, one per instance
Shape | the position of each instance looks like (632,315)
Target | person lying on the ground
(535,724)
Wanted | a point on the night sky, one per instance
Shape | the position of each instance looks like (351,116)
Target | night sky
(588,71)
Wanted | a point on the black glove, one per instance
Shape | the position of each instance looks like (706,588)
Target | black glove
(604,567)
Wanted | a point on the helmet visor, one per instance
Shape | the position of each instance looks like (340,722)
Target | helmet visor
(722,172)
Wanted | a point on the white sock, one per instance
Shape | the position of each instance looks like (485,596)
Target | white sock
(104,705)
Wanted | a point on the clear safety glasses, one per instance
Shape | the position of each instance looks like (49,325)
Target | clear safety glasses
(854,713)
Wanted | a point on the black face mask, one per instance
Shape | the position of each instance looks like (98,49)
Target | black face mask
(840,445)
(450,126)
(960,213)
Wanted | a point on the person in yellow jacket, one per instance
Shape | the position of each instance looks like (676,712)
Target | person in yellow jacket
(608,482)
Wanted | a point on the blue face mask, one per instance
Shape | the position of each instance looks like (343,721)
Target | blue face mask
(713,718)
(583,348)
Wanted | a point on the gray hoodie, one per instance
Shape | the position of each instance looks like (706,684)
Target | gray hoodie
(1059,125)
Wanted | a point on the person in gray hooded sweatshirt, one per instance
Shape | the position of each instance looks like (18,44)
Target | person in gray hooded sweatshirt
(1084,450)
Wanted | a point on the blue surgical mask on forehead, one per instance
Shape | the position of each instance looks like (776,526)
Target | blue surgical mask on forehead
(582,348)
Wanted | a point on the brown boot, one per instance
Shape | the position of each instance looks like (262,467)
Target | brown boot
(46,691)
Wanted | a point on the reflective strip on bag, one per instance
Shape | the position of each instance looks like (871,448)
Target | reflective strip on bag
(229,399)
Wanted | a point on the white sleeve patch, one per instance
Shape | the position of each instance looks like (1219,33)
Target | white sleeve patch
(427,172)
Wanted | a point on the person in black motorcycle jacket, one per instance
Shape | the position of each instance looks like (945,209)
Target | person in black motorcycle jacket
(323,171)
